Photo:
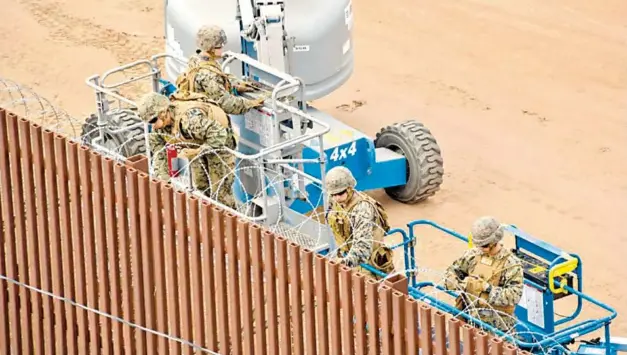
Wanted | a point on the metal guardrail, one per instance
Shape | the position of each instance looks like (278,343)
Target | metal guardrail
(97,83)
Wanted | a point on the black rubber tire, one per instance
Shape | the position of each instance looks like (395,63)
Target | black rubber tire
(117,142)
(425,166)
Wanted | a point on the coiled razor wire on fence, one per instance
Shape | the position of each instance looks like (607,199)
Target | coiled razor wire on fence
(25,102)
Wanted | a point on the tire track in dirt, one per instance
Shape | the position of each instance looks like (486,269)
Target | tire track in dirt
(66,28)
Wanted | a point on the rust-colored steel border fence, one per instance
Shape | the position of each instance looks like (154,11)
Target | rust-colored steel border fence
(97,258)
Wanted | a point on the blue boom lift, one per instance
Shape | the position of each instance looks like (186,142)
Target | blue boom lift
(550,274)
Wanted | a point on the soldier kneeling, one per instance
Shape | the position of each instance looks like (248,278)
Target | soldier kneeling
(204,129)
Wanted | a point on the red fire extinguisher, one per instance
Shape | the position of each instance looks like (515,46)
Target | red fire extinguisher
(173,167)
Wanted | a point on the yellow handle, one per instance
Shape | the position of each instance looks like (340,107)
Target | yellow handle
(561,269)
(470,241)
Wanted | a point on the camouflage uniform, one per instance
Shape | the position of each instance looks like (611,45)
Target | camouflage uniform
(194,125)
(490,286)
(204,75)
(358,225)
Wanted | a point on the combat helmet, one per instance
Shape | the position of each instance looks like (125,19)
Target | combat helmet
(151,105)
(210,37)
(486,230)
(339,179)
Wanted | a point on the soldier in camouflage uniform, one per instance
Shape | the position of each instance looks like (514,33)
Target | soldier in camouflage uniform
(488,276)
(358,223)
(205,76)
(201,128)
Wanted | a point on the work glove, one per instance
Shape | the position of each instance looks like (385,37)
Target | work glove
(259,101)
(476,285)
(243,87)
(189,153)
(383,259)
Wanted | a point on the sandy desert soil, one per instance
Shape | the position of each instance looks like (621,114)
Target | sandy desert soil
(527,101)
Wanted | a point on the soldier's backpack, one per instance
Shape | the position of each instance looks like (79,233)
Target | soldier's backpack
(186,83)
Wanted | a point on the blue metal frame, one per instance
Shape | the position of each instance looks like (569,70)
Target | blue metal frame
(543,337)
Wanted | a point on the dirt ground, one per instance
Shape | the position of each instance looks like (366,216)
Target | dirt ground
(526,99)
